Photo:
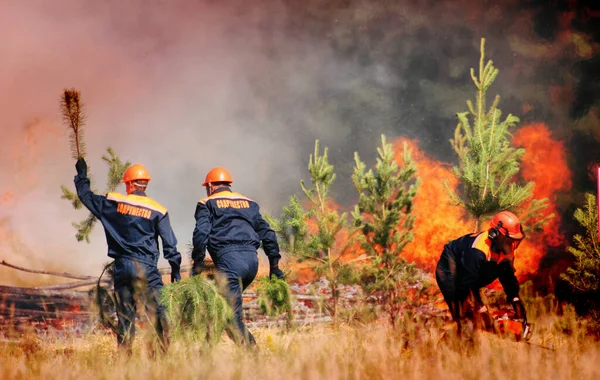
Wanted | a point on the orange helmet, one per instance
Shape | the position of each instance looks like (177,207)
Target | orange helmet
(217,175)
(136,172)
(508,224)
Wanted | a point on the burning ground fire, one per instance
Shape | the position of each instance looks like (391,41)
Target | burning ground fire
(438,221)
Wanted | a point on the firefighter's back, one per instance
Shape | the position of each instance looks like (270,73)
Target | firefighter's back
(131,226)
(234,217)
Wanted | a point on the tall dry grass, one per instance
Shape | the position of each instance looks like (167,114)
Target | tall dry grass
(371,351)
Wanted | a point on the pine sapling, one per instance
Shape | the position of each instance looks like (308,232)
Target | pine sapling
(384,215)
(488,164)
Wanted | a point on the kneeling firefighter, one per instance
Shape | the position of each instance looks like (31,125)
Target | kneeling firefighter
(132,224)
(473,261)
(231,227)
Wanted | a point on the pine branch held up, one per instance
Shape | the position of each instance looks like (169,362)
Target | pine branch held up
(74,118)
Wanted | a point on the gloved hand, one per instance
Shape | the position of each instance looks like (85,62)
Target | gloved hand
(81,167)
(197,268)
(275,271)
(175,277)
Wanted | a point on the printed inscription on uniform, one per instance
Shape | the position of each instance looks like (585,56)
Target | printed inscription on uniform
(232,203)
(126,209)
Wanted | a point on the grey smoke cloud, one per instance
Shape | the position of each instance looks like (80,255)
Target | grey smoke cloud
(178,90)
(183,86)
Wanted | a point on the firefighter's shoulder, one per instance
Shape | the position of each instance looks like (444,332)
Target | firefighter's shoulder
(138,200)
(482,243)
(225,195)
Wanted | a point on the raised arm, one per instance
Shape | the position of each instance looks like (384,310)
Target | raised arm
(94,203)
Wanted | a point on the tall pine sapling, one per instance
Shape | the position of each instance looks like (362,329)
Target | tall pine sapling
(487,162)
(384,215)
(320,247)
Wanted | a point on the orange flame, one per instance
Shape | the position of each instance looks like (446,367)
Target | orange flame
(437,220)
(544,163)
(303,271)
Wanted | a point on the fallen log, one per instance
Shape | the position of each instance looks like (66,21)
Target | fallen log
(8,290)
(36,299)
(72,285)
(58,314)
(63,274)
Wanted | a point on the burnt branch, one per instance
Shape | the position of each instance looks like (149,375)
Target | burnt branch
(74,118)
(64,274)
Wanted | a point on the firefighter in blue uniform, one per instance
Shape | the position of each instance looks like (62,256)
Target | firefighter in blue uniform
(230,226)
(475,260)
(132,223)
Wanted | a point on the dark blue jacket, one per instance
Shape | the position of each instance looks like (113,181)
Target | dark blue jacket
(132,224)
(230,221)
(479,266)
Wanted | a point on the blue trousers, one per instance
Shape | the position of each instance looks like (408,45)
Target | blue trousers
(239,267)
(133,281)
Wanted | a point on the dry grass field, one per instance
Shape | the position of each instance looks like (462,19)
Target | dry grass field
(559,349)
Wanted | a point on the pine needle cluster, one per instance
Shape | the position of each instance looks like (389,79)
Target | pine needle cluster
(274,297)
(292,228)
(196,310)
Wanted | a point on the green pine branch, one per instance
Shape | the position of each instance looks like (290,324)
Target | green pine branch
(116,169)
(488,164)
(292,228)
(71,197)
(197,310)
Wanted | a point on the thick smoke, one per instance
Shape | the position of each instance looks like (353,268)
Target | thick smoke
(183,86)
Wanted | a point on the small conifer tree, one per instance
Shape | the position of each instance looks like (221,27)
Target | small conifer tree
(384,215)
(318,247)
(584,274)
(487,161)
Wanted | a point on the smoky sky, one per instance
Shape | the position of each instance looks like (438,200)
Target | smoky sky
(182,86)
